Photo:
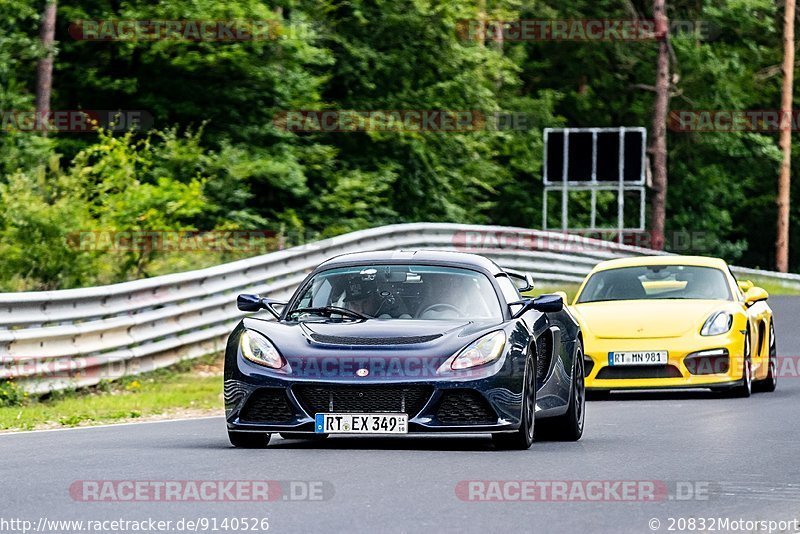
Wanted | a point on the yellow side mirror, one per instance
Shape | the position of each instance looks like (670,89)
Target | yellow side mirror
(755,294)
(746,285)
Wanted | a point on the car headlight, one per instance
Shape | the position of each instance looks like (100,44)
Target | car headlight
(258,349)
(480,352)
(717,323)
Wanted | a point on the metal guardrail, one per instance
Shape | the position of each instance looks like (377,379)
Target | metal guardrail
(78,337)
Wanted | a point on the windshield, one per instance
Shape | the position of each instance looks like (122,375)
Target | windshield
(403,292)
(656,282)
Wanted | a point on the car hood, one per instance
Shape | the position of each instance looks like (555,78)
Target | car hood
(645,319)
(391,332)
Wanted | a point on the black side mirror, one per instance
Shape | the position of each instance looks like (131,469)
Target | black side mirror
(249,303)
(542,303)
(254,303)
(548,303)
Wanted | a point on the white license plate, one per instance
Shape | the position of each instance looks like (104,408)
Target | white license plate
(361,423)
(652,357)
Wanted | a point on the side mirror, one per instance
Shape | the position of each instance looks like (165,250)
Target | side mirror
(542,303)
(755,294)
(745,285)
(548,303)
(249,303)
(254,303)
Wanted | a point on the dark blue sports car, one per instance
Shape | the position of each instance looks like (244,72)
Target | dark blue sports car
(406,342)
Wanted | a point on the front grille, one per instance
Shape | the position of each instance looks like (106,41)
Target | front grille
(363,399)
(465,407)
(372,341)
(268,405)
(638,371)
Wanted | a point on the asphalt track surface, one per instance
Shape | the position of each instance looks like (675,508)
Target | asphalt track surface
(741,457)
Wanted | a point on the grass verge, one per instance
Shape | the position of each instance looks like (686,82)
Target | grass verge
(187,388)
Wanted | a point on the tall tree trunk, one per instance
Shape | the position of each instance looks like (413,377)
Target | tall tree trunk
(784,180)
(44,73)
(659,146)
(483,22)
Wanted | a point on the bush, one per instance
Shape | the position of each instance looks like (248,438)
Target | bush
(52,219)
(11,394)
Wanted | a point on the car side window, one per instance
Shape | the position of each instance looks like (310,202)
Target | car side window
(738,294)
(508,289)
(316,296)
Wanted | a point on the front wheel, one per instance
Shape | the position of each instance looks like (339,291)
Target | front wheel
(769,384)
(568,427)
(522,439)
(744,389)
(248,440)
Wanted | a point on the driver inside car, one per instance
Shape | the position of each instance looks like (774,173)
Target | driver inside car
(362,294)
(445,300)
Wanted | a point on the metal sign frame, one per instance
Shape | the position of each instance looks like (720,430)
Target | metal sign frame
(564,185)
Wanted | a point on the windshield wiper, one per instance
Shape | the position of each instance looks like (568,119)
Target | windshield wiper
(331,310)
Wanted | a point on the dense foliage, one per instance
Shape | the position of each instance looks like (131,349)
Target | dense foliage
(217,159)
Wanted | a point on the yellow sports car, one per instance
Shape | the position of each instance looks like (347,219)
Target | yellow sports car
(674,322)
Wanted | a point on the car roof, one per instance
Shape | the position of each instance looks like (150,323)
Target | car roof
(640,261)
(444,257)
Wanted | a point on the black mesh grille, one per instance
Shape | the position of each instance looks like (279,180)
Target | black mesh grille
(638,371)
(707,365)
(588,365)
(346,340)
(465,407)
(267,406)
(363,399)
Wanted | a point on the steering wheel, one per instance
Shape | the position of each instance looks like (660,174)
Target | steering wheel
(433,307)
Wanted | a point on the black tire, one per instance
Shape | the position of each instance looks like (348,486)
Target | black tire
(248,440)
(522,439)
(568,427)
(769,384)
(745,389)
(304,435)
